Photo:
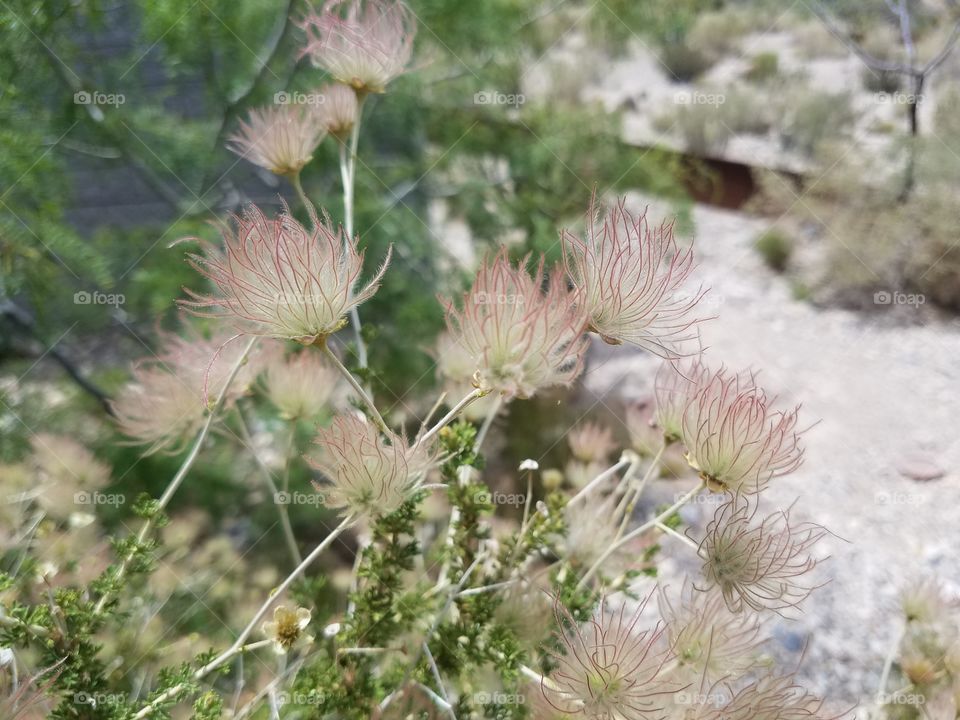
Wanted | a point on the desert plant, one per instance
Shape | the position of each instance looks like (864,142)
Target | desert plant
(876,244)
(717,32)
(881,81)
(746,110)
(812,117)
(882,43)
(775,247)
(441,605)
(921,668)
(683,61)
(701,126)
(814,41)
(763,67)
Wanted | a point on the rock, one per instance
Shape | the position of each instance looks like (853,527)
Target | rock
(920,467)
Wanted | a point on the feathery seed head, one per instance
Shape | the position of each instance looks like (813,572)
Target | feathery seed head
(369,473)
(630,277)
(758,565)
(774,697)
(281,139)
(363,43)
(339,110)
(608,667)
(166,403)
(456,368)
(275,278)
(925,601)
(674,386)
(300,385)
(591,442)
(711,643)
(733,437)
(519,337)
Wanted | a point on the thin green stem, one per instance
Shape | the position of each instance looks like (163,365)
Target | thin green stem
(358,388)
(597,481)
(274,596)
(537,677)
(679,536)
(888,663)
(298,186)
(348,175)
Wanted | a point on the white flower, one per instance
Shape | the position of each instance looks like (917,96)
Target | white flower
(286,628)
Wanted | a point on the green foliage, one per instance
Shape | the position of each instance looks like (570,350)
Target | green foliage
(550,171)
(747,110)
(881,81)
(717,33)
(662,20)
(880,240)
(682,61)
(775,247)
(814,117)
(427,127)
(702,127)
(764,67)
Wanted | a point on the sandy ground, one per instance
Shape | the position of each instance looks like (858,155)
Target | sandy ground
(884,395)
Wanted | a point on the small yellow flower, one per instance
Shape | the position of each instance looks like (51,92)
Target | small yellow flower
(286,628)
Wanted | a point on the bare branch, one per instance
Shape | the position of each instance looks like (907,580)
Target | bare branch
(873,63)
(906,34)
(944,53)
